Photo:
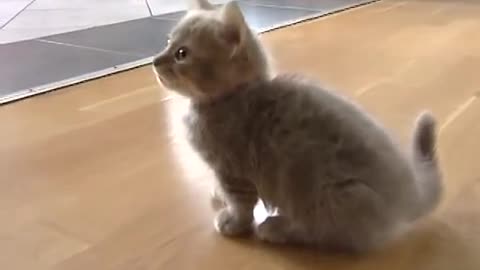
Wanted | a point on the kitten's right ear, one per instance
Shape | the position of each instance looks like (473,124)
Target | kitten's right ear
(199,4)
(236,27)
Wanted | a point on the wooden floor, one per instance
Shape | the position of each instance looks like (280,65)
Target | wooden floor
(93,177)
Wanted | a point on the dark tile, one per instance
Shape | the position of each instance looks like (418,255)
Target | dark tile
(28,64)
(175,16)
(143,37)
(319,5)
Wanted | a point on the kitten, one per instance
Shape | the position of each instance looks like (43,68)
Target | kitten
(336,178)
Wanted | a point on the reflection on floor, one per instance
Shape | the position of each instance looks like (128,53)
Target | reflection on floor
(93,178)
(42,64)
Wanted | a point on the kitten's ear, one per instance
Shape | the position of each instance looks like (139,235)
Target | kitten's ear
(235,25)
(199,4)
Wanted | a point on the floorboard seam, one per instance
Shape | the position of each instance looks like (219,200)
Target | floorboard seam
(457,113)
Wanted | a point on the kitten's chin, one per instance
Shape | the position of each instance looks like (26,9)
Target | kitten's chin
(166,84)
(174,88)
(161,80)
(179,89)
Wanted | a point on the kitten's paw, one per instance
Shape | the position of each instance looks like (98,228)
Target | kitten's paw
(273,230)
(228,224)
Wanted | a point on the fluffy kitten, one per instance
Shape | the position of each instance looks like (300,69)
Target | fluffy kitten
(336,177)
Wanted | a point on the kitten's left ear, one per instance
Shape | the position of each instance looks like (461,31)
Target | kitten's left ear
(199,4)
(235,25)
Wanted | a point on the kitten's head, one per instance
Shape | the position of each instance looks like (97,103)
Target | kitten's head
(210,52)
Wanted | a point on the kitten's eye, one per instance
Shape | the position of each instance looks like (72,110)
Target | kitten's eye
(181,54)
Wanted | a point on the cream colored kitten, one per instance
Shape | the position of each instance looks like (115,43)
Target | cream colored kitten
(335,175)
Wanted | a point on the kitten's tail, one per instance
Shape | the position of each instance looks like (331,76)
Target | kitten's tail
(425,163)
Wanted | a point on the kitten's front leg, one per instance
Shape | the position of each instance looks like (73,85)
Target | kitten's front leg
(240,197)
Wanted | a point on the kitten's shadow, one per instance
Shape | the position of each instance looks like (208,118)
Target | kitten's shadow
(432,246)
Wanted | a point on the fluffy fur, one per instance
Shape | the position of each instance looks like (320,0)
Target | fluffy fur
(336,177)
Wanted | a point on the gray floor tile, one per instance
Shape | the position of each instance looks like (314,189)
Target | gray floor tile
(321,5)
(14,35)
(29,64)
(175,16)
(143,37)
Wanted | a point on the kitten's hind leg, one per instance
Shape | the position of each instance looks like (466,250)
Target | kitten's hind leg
(240,197)
(217,199)
(277,230)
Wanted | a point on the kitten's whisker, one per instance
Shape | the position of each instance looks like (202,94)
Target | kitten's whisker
(116,98)
(369,86)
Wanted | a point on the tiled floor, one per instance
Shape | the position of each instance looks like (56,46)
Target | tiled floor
(105,36)
(64,62)
(27,19)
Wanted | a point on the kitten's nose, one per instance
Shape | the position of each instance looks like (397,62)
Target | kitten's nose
(159,60)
